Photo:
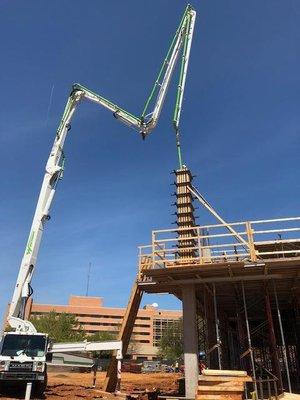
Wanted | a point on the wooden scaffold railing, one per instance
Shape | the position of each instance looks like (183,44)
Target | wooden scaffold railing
(210,244)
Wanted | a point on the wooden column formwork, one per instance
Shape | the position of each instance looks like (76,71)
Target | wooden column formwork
(185,214)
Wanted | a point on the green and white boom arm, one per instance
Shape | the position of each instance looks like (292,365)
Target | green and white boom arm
(55,164)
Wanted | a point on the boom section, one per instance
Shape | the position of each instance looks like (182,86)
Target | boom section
(55,164)
(53,172)
(182,41)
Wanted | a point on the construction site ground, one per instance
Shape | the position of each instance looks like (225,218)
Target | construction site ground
(72,385)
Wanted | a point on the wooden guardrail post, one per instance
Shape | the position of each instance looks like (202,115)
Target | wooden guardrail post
(252,250)
(199,246)
(153,249)
(140,263)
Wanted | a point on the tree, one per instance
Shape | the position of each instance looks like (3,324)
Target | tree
(61,327)
(102,336)
(171,343)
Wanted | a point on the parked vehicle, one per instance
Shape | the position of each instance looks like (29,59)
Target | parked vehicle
(151,366)
(131,366)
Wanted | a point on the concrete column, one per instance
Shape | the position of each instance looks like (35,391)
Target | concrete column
(190,340)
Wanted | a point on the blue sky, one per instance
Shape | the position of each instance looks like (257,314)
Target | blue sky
(240,130)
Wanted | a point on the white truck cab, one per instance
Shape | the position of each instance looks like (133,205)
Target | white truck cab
(23,357)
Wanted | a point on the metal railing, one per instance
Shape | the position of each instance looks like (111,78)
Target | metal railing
(264,387)
(249,241)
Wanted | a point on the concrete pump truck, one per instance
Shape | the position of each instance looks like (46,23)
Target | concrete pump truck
(24,352)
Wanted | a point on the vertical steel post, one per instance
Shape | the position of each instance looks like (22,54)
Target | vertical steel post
(261,389)
(272,338)
(207,332)
(217,328)
(269,388)
(94,368)
(119,368)
(249,340)
(282,340)
(275,390)
(28,390)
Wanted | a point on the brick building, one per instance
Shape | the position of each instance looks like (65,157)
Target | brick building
(95,317)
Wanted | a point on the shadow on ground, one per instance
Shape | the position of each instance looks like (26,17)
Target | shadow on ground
(14,391)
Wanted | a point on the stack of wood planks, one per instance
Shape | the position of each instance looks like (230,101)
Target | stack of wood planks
(289,396)
(221,385)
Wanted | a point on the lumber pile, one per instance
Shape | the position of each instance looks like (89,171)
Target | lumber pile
(289,396)
(221,385)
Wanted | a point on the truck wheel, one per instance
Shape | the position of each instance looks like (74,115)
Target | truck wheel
(40,387)
(2,388)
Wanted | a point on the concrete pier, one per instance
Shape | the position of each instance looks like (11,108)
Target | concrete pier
(190,340)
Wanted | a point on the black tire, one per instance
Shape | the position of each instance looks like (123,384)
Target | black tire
(2,388)
(40,387)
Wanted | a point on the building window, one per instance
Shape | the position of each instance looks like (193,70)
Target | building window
(159,324)
(141,333)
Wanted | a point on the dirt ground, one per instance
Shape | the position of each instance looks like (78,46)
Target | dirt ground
(71,386)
